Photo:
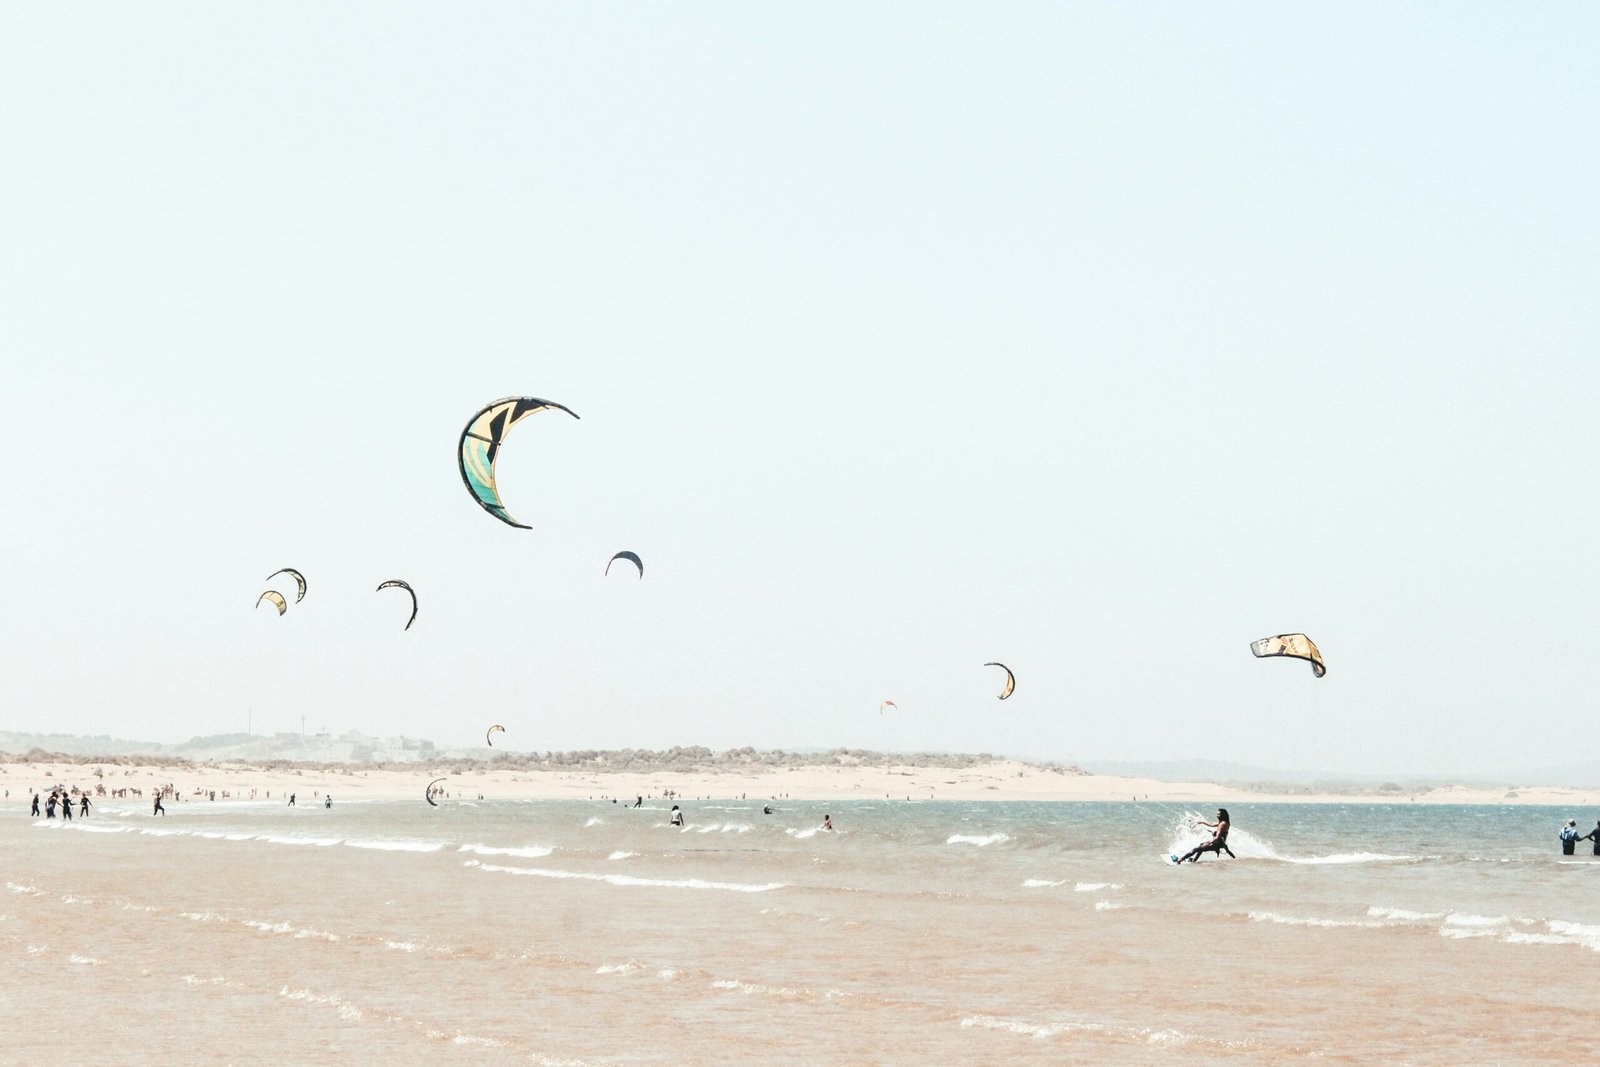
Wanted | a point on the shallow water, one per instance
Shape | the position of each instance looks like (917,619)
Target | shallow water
(582,932)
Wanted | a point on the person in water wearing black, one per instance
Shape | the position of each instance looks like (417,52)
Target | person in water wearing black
(158,809)
(1218,842)
(83,806)
(35,804)
(1593,835)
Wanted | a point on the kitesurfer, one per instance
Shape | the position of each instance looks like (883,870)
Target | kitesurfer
(677,816)
(1218,842)
(1569,837)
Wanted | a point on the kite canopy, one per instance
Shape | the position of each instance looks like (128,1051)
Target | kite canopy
(395,583)
(1295,646)
(888,704)
(480,444)
(631,557)
(491,730)
(274,598)
(428,793)
(1011,679)
(299,581)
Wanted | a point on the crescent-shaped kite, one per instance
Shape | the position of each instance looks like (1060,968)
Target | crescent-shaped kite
(1011,679)
(632,557)
(1295,646)
(395,583)
(491,730)
(480,443)
(299,581)
(428,793)
(274,598)
(886,704)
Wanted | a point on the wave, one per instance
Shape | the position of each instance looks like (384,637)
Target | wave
(531,852)
(981,841)
(621,855)
(1094,887)
(278,839)
(1403,915)
(396,846)
(1293,920)
(631,881)
(1042,883)
(1349,857)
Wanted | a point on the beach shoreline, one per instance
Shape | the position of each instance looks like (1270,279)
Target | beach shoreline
(997,780)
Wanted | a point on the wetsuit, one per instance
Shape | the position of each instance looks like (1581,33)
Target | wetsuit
(1218,844)
(1569,840)
(36,804)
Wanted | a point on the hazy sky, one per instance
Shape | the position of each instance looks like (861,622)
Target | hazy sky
(1100,340)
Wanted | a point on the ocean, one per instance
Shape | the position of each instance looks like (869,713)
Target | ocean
(586,932)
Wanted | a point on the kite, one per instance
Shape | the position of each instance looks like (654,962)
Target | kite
(888,704)
(398,584)
(1011,679)
(491,730)
(1295,646)
(428,796)
(299,581)
(480,444)
(632,557)
(273,598)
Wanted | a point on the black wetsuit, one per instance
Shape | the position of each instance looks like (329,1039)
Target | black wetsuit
(36,804)
(1593,835)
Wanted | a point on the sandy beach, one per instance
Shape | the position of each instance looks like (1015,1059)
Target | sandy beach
(1001,780)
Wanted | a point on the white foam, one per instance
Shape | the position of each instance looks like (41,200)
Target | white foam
(161,833)
(1294,920)
(981,841)
(89,960)
(801,835)
(1456,918)
(103,829)
(1403,915)
(275,839)
(531,852)
(1027,1029)
(1348,857)
(402,946)
(1583,934)
(15,888)
(595,821)
(1108,905)
(752,988)
(620,855)
(619,968)
(1042,883)
(628,880)
(1093,887)
(397,846)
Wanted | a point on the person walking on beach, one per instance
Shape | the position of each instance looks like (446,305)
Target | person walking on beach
(1569,837)
(35,811)
(158,809)
(1218,843)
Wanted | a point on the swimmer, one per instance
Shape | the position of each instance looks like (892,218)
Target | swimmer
(677,816)
(827,822)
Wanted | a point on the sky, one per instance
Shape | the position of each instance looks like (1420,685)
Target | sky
(1097,339)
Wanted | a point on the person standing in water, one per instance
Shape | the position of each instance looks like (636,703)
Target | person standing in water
(1218,842)
(35,811)
(827,823)
(1569,837)
(158,809)
(1593,835)
(677,816)
(83,805)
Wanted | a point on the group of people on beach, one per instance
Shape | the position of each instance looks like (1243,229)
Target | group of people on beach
(59,797)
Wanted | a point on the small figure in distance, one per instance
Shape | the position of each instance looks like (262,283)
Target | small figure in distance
(158,809)
(766,809)
(50,805)
(1218,843)
(677,816)
(1593,835)
(291,800)
(83,807)
(827,822)
(638,802)
(327,801)
(35,811)
(1569,837)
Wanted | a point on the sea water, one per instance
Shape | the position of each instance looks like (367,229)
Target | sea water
(563,932)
